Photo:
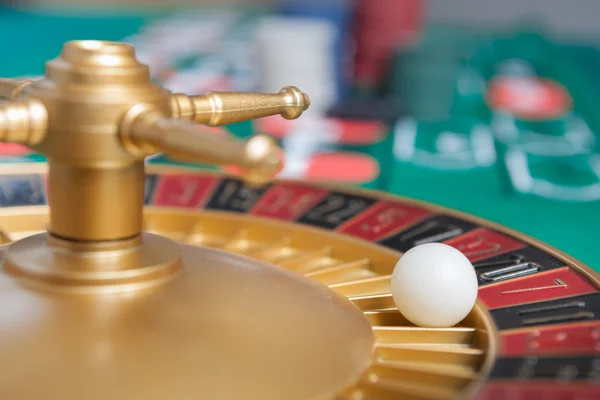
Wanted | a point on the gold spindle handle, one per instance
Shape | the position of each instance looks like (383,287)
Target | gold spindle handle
(220,108)
(260,157)
(23,121)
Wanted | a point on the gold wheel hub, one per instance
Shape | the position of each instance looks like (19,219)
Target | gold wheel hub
(45,261)
(225,327)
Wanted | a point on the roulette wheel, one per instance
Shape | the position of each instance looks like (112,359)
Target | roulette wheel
(122,280)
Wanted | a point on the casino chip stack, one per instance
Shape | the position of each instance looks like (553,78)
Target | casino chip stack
(381,27)
(295,50)
(340,14)
(239,52)
(178,43)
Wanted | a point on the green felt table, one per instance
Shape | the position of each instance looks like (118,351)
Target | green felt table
(35,36)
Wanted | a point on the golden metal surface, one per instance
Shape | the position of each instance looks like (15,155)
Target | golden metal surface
(88,268)
(214,109)
(95,204)
(97,114)
(224,327)
(23,121)
(409,361)
(260,156)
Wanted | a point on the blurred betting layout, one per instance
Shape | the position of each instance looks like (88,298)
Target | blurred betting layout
(499,124)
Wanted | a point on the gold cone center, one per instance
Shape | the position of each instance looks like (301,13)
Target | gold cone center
(226,327)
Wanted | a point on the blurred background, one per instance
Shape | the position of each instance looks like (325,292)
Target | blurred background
(490,107)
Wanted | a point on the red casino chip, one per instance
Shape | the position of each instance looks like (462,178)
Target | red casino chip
(529,98)
(339,167)
(13,150)
(352,168)
(275,126)
(343,167)
(359,132)
(346,132)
